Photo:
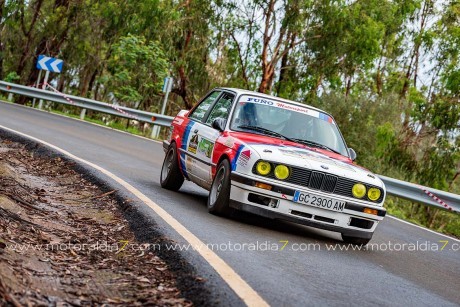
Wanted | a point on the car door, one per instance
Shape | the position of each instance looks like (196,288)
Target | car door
(203,137)
(188,152)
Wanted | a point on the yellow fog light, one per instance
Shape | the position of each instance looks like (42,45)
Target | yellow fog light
(281,172)
(359,190)
(373,194)
(263,168)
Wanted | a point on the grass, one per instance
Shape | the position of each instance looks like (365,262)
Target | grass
(114,124)
(445,222)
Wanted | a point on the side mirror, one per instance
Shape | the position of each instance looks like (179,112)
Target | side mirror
(352,154)
(218,124)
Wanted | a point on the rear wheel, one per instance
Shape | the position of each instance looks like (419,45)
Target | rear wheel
(355,240)
(219,195)
(171,177)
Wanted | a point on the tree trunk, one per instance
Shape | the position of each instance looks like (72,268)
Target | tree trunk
(61,83)
(85,79)
(414,61)
(2,50)
(2,5)
(378,76)
(182,89)
(268,15)
(284,70)
(264,84)
(25,54)
(313,93)
(93,79)
(348,89)
(183,82)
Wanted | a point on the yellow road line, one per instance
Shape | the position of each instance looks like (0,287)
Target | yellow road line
(249,296)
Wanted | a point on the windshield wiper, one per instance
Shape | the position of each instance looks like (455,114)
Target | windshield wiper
(315,144)
(266,131)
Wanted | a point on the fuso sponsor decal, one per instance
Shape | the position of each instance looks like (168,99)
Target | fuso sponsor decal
(288,106)
(258,100)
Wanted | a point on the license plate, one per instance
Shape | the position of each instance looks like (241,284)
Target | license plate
(318,201)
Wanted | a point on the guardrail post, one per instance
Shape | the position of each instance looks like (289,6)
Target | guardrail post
(37,84)
(10,97)
(40,104)
(167,86)
(155,132)
(82,114)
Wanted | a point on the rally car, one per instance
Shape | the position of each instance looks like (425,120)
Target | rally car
(275,158)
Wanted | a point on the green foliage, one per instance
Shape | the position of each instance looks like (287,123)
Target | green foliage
(368,125)
(12,77)
(136,70)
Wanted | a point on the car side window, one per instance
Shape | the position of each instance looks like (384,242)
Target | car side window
(221,108)
(202,108)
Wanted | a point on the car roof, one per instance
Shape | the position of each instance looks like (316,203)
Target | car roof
(239,91)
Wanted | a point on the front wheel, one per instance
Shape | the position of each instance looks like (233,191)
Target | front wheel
(171,177)
(355,240)
(219,195)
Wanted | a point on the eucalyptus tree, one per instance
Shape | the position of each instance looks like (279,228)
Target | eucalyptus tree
(135,72)
(259,37)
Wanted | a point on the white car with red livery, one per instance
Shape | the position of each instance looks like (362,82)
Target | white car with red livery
(275,158)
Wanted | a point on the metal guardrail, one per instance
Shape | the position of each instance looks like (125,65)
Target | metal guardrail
(421,194)
(395,187)
(142,116)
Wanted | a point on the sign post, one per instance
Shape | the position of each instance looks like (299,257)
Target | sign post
(36,86)
(167,86)
(48,64)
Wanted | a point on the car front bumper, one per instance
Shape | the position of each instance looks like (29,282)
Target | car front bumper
(278,203)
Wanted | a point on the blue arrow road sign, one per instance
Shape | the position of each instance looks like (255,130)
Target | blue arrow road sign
(50,64)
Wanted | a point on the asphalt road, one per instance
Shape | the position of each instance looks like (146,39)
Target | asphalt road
(405,267)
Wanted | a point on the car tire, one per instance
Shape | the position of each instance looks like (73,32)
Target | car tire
(171,177)
(219,194)
(355,240)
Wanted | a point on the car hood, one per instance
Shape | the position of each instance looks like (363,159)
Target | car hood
(315,159)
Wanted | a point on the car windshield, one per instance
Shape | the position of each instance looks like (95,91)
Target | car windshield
(287,121)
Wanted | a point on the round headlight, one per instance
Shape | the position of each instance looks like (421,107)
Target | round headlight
(373,194)
(359,190)
(281,172)
(263,168)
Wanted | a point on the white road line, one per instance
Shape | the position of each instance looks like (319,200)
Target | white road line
(249,296)
(429,230)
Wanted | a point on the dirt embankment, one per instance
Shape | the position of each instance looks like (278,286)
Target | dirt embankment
(64,242)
